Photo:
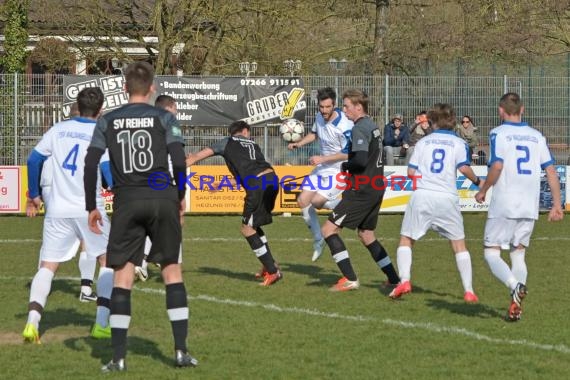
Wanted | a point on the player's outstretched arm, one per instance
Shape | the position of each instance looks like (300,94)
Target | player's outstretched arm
(556,213)
(307,139)
(316,160)
(193,158)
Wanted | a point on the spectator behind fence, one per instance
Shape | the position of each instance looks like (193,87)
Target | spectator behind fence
(466,130)
(395,133)
(419,129)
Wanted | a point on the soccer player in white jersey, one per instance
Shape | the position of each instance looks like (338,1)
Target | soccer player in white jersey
(322,188)
(517,153)
(435,203)
(66,218)
(86,264)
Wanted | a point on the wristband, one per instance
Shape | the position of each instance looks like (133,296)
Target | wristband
(477,182)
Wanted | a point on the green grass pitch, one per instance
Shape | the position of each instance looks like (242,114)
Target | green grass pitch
(297,329)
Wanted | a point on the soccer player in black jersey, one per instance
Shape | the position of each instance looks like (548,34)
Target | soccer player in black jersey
(139,138)
(254,174)
(362,197)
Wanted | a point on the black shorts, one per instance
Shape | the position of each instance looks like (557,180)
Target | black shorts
(260,200)
(358,210)
(133,221)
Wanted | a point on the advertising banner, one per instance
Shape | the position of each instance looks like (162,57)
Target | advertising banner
(545,202)
(200,198)
(220,101)
(399,189)
(11,189)
(113,88)
(207,101)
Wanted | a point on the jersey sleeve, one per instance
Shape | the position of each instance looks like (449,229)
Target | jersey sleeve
(45,146)
(495,148)
(360,140)
(546,158)
(98,139)
(173,130)
(462,155)
(220,146)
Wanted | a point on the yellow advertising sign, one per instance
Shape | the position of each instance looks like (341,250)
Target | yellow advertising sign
(229,199)
(294,97)
(200,198)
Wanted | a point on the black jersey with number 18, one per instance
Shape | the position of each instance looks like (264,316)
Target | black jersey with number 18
(137,136)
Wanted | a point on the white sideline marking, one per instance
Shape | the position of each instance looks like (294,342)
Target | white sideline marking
(359,318)
(431,327)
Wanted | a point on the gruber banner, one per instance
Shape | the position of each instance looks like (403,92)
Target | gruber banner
(208,101)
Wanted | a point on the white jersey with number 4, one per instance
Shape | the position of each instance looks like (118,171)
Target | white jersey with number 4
(436,158)
(65,144)
(523,152)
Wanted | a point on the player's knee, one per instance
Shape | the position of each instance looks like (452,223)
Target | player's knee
(491,254)
(329,228)
(247,230)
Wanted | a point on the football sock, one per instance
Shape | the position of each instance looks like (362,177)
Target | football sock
(499,268)
(147,247)
(340,256)
(177,308)
(380,256)
(144,263)
(104,289)
(330,205)
(312,221)
(119,320)
(39,291)
(262,252)
(463,261)
(404,260)
(87,270)
(518,265)
(262,236)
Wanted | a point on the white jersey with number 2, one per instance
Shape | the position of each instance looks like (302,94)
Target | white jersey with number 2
(523,152)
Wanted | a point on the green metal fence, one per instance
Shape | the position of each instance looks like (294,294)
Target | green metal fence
(30,104)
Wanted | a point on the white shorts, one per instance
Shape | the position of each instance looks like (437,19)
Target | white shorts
(432,210)
(148,246)
(505,232)
(60,238)
(324,182)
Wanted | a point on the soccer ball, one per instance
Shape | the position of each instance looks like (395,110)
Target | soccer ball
(292,130)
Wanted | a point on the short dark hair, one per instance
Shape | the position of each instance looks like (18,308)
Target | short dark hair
(74,109)
(139,77)
(357,97)
(511,103)
(90,101)
(326,93)
(238,126)
(443,116)
(164,101)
